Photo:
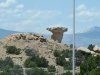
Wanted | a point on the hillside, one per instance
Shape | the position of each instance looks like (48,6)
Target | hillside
(28,41)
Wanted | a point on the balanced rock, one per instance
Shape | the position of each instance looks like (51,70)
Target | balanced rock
(57,33)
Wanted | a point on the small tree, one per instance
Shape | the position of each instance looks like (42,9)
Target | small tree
(90,47)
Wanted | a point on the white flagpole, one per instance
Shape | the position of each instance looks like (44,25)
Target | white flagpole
(73,52)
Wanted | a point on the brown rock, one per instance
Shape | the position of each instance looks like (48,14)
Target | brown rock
(57,33)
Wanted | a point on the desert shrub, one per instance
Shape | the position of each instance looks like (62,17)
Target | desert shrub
(95,72)
(41,62)
(67,53)
(12,50)
(16,70)
(88,65)
(97,59)
(36,61)
(6,64)
(29,63)
(57,53)
(68,65)
(30,52)
(51,68)
(5,73)
(60,61)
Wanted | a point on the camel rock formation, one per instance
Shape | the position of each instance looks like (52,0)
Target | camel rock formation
(57,33)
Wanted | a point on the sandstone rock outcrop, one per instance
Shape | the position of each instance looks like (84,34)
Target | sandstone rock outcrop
(26,36)
(57,33)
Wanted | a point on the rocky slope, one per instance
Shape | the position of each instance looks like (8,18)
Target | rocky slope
(41,46)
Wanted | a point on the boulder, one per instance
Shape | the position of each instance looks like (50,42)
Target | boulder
(84,49)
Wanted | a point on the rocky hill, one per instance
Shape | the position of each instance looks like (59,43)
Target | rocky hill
(25,41)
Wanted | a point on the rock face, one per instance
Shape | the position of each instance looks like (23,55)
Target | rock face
(57,33)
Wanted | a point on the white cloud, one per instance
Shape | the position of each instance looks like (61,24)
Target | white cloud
(81,7)
(83,11)
(21,19)
(7,3)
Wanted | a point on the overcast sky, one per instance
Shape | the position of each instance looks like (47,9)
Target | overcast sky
(37,15)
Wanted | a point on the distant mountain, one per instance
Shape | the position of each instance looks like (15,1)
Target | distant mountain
(91,36)
(84,39)
(4,33)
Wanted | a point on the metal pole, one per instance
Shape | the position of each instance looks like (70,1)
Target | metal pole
(73,52)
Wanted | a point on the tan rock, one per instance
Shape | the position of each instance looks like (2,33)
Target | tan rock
(57,33)
(84,49)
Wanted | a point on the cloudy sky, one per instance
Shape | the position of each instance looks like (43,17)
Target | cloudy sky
(37,15)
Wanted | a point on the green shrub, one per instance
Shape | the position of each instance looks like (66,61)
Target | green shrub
(88,65)
(13,50)
(41,62)
(95,72)
(36,61)
(6,64)
(68,65)
(30,52)
(67,53)
(57,53)
(28,63)
(60,61)
(51,68)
